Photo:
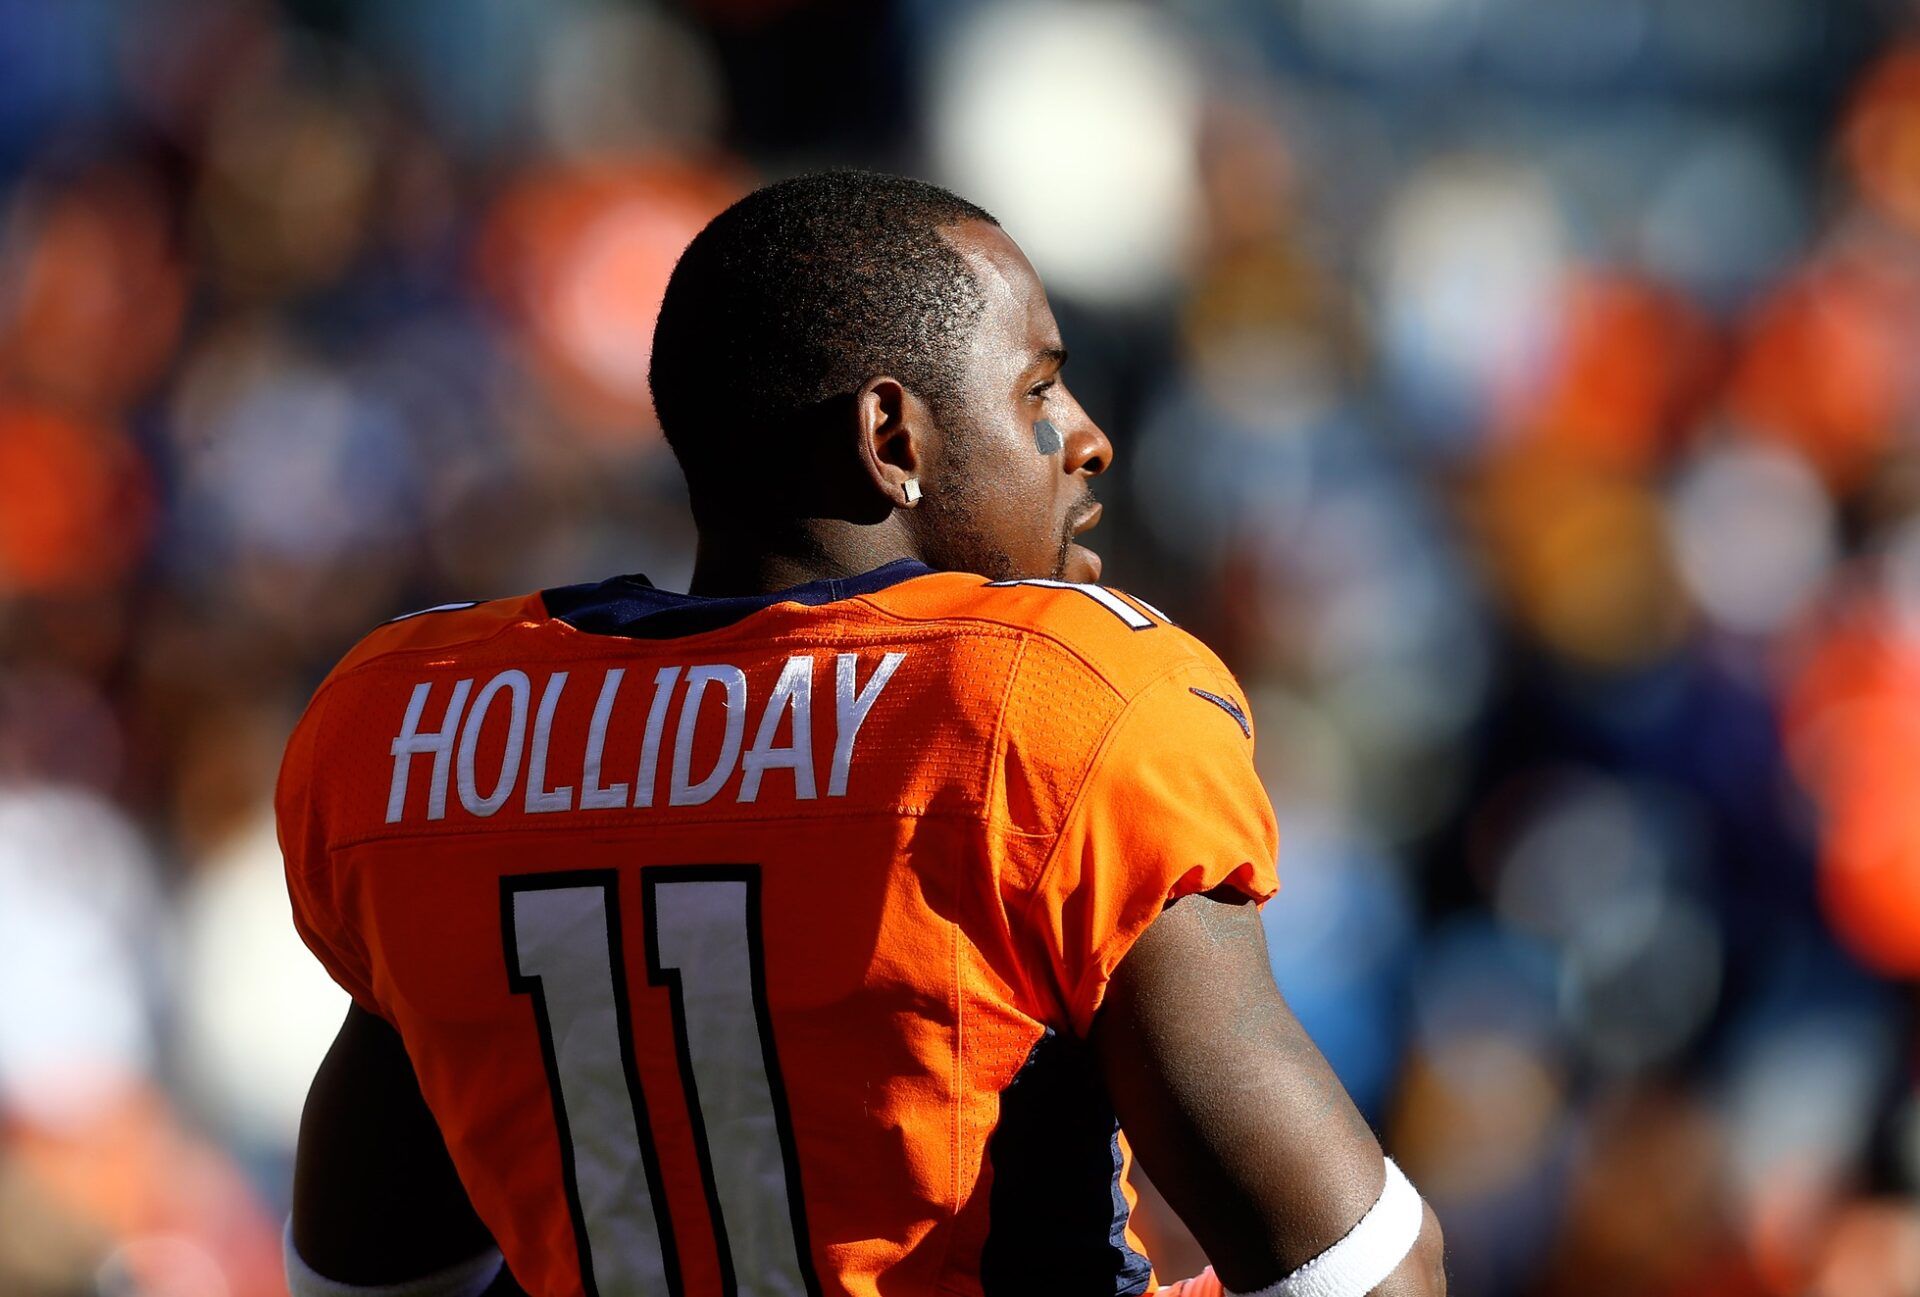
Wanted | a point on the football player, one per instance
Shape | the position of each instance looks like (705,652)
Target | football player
(843,925)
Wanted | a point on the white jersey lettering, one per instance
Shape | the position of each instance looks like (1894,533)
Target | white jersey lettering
(541,798)
(516,685)
(410,743)
(850,708)
(534,764)
(592,796)
(792,695)
(683,790)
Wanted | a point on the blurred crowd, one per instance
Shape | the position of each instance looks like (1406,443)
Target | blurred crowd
(1517,394)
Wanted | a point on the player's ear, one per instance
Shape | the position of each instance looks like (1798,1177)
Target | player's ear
(892,428)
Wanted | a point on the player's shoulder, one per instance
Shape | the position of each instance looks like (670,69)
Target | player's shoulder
(1098,631)
(438,633)
(443,628)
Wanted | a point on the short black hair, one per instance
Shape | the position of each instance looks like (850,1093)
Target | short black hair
(795,296)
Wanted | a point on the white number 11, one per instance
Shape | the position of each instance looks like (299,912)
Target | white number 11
(564,950)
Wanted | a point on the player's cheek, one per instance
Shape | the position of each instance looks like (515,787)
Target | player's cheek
(1036,505)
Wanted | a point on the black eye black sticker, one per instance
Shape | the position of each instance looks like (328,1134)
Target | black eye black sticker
(1046,438)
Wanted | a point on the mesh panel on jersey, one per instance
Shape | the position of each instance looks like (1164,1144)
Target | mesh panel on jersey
(1057,713)
(934,734)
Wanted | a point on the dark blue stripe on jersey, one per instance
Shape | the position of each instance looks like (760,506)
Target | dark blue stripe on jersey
(1057,1216)
(1226,705)
(633,607)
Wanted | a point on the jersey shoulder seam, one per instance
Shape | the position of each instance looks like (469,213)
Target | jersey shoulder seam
(384,657)
(1185,655)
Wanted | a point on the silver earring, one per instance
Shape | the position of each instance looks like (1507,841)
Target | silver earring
(911,489)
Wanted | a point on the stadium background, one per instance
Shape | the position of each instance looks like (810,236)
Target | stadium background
(1518,394)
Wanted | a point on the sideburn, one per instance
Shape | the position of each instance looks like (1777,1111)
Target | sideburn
(949,522)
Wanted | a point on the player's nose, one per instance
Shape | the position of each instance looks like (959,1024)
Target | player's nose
(1088,450)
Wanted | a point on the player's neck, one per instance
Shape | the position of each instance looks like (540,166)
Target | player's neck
(746,562)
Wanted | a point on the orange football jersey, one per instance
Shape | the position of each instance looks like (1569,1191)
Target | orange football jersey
(749,944)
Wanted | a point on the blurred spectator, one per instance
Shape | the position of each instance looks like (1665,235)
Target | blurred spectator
(1517,394)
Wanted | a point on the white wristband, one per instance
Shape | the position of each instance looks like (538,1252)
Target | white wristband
(1357,1264)
(467,1278)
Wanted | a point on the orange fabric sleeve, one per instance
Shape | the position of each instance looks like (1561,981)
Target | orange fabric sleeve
(1170,806)
(311,885)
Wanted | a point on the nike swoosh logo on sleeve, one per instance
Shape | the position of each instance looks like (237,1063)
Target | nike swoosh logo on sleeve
(1226,705)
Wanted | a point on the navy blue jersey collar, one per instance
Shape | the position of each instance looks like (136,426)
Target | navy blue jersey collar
(633,607)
